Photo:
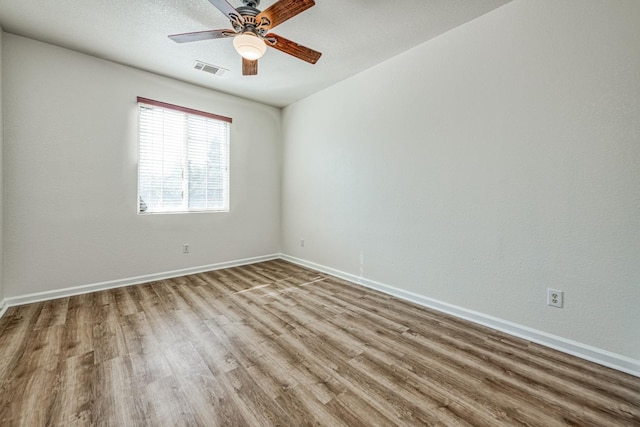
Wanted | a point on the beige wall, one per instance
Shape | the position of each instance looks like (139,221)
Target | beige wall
(483,167)
(71,175)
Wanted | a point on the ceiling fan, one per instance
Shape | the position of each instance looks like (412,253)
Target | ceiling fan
(251,34)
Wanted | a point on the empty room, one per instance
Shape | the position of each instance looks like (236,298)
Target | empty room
(332,213)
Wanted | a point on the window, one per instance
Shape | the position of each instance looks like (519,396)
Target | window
(183,159)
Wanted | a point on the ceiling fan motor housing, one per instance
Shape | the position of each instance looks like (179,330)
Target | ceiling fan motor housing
(251,24)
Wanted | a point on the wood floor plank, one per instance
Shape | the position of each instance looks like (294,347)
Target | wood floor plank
(166,405)
(21,324)
(71,404)
(304,410)
(257,407)
(274,343)
(354,411)
(31,381)
(53,312)
(114,394)
(125,302)
(78,330)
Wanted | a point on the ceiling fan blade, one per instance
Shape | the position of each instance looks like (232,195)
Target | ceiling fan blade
(249,67)
(201,35)
(282,10)
(228,10)
(293,48)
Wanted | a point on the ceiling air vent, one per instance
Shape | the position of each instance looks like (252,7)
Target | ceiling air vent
(208,68)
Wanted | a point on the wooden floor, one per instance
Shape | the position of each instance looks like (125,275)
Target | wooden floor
(275,344)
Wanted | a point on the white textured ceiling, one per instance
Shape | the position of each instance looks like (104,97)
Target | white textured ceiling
(351,34)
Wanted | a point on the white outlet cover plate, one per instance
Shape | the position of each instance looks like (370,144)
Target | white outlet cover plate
(555,298)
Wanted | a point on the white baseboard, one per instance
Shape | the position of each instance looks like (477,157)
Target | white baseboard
(77,290)
(583,351)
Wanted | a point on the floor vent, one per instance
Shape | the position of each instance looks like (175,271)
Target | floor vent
(208,68)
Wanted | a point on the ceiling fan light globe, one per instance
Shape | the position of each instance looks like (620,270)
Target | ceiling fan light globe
(249,46)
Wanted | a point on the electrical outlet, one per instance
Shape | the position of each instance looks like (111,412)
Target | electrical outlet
(302,243)
(555,298)
(185,248)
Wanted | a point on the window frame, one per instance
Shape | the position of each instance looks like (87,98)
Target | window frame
(185,169)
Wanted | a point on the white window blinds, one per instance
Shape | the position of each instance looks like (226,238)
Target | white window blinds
(183,159)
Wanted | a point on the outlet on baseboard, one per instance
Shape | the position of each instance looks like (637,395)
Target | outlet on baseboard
(555,298)
(185,248)
(302,243)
